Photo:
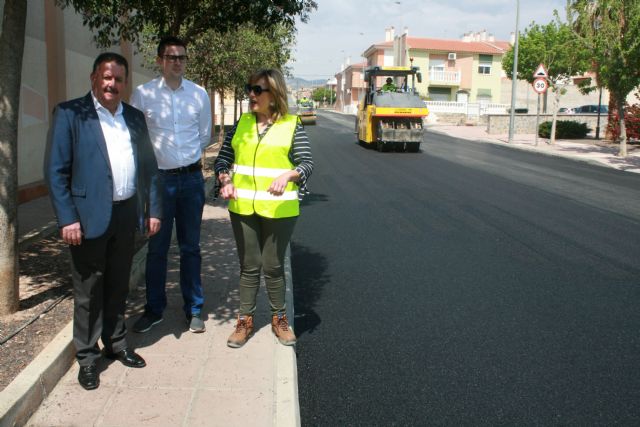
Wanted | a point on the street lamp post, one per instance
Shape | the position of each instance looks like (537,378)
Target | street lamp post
(599,108)
(514,78)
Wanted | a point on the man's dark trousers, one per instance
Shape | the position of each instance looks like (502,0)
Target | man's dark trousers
(100,270)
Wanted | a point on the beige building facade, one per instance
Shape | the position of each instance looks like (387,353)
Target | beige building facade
(57,61)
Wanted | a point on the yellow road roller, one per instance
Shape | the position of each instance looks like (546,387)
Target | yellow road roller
(390,115)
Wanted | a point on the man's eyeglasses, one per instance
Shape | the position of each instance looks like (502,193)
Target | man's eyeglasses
(256,89)
(175,58)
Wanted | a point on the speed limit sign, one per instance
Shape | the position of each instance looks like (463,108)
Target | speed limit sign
(540,85)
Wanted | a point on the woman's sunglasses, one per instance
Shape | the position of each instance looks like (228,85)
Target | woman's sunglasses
(257,90)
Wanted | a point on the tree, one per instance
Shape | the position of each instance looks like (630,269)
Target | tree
(126,19)
(237,53)
(610,30)
(555,46)
(323,94)
(11,48)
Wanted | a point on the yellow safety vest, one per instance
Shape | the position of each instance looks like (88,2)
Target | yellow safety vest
(258,162)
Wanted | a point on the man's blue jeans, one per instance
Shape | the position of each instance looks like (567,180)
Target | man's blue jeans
(183,200)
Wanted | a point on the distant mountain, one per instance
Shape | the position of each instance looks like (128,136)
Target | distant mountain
(298,82)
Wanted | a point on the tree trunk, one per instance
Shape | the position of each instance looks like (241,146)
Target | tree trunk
(212,100)
(11,50)
(221,134)
(623,128)
(235,106)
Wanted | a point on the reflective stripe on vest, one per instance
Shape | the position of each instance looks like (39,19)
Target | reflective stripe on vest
(258,162)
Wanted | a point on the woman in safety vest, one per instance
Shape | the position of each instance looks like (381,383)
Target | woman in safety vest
(269,154)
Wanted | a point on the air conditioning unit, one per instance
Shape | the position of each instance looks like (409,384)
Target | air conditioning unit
(452,56)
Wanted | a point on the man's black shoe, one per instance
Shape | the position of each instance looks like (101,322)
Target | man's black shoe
(146,322)
(128,358)
(88,377)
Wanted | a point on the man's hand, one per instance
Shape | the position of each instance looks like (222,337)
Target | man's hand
(153,226)
(72,233)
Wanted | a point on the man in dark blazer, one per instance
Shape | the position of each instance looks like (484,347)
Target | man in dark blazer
(103,183)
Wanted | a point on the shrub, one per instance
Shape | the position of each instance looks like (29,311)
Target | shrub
(565,129)
(631,122)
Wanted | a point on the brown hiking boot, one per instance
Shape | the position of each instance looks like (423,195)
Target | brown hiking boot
(280,327)
(244,331)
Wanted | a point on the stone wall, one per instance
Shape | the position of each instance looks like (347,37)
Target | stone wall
(458,119)
(526,123)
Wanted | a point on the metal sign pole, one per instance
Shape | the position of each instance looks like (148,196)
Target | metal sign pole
(538,119)
(514,78)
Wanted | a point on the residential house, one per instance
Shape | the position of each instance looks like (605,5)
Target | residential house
(466,70)
(350,87)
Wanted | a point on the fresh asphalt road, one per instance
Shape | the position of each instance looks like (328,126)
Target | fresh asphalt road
(468,284)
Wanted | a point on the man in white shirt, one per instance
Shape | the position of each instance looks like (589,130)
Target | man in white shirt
(178,114)
(103,181)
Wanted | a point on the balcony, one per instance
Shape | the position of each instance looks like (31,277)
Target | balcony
(442,77)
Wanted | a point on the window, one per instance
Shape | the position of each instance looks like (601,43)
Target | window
(483,95)
(436,64)
(485,64)
(440,94)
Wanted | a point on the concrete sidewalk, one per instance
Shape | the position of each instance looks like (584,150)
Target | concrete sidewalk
(587,150)
(190,379)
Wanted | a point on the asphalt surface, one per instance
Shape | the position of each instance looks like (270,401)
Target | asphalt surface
(467,284)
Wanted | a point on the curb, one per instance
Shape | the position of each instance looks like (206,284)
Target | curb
(287,405)
(22,397)
(24,394)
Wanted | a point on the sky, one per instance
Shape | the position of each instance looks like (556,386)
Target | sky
(341,29)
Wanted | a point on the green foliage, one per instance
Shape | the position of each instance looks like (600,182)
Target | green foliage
(565,129)
(553,45)
(323,94)
(224,61)
(116,20)
(610,31)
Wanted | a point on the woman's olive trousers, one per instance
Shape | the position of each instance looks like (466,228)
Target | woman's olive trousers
(262,243)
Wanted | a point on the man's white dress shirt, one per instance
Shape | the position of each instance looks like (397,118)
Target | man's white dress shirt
(118,140)
(179,121)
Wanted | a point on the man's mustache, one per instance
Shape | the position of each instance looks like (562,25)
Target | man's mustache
(111,90)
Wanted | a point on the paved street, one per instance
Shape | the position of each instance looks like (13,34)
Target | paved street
(468,284)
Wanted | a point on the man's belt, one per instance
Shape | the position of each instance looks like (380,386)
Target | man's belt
(122,202)
(193,167)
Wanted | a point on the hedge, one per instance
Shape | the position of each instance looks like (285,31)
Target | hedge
(565,129)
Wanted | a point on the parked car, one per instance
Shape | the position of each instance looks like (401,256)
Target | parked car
(566,110)
(591,109)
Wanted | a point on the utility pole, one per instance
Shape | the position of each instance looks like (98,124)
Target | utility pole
(514,78)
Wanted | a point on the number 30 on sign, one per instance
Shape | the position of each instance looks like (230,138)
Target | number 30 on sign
(540,85)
